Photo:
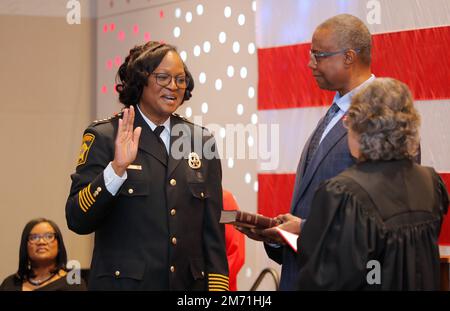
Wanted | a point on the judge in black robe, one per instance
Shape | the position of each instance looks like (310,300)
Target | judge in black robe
(376,225)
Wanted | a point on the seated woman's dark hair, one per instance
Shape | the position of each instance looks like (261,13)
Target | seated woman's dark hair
(133,74)
(25,270)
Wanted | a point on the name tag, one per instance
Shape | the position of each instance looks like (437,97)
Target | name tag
(134,167)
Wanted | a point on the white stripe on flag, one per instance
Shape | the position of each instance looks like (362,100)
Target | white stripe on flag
(296,125)
(291,21)
(435,133)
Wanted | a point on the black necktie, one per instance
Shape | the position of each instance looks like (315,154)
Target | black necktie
(158,130)
(315,141)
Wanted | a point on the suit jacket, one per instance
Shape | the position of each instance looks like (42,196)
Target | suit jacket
(161,230)
(331,158)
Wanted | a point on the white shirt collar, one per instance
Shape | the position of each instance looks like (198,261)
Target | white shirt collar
(152,125)
(345,101)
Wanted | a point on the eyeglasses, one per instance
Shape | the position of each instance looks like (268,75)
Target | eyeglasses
(314,56)
(164,79)
(48,237)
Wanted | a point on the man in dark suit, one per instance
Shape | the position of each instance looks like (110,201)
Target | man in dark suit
(340,59)
(151,198)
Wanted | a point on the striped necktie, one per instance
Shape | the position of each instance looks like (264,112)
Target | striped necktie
(315,141)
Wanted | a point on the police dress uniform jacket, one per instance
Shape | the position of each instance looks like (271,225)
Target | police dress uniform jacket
(161,230)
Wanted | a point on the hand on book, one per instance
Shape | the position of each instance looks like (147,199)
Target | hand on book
(269,235)
(290,223)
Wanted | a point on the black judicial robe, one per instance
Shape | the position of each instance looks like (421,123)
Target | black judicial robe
(388,211)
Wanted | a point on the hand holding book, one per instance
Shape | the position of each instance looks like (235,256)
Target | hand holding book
(290,229)
(255,226)
(269,235)
(249,220)
(262,228)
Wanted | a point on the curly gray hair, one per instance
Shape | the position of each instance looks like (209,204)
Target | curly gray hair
(384,117)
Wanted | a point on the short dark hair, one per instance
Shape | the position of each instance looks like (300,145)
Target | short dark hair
(351,33)
(24,270)
(133,74)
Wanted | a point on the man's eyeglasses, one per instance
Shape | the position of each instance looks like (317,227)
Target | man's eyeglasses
(48,237)
(164,79)
(314,56)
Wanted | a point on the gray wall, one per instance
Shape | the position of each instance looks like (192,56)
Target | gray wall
(46,82)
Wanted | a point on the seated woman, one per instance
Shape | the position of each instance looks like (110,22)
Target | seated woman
(42,260)
(375,226)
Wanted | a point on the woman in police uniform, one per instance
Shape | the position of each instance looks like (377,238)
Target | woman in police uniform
(152,200)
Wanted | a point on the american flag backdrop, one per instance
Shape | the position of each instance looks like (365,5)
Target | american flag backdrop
(411,42)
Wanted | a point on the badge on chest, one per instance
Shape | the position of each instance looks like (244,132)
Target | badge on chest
(194,161)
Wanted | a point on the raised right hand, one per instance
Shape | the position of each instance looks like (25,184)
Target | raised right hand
(127,142)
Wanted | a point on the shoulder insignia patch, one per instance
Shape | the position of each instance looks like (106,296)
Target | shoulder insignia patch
(86,144)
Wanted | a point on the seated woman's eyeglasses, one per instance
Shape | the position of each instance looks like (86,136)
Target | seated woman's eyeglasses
(164,79)
(47,237)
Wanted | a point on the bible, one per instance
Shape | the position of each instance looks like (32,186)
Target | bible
(246,219)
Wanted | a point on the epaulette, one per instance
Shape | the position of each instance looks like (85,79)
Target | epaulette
(176,115)
(100,121)
(181,117)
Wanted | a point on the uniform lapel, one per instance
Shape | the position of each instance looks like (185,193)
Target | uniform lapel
(182,138)
(148,141)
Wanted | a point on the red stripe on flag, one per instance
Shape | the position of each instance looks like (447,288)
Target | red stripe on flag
(285,80)
(420,58)
(444,238)
(275,194)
